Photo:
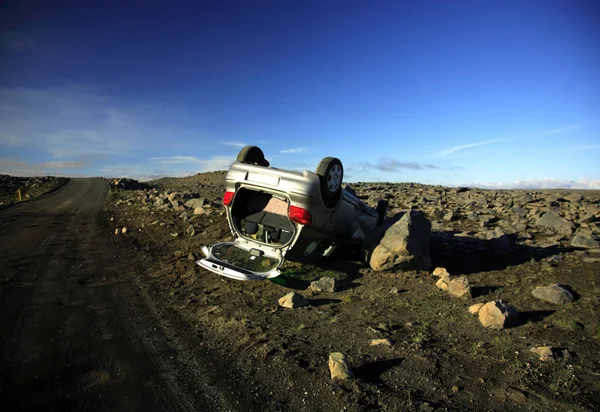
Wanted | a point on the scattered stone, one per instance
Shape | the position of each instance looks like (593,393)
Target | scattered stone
(394,290)
(441,272)
(591,260)
(455,389)
(376,342)
(544,352)
(553,293)
(553,221)
(292,300)
(191,231)
(519,225)
(195,203)
(171,197)
(519,211)
(497,315)
(584,241)
(117,231)
(474,309)
(124,230)
(175,234)
(405,245)
(199,211)
(443,283)
(339,366)
(460,287)
(325,284)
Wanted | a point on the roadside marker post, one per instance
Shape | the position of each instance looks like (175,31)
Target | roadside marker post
(19,192)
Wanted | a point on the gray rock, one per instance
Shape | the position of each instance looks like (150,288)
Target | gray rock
(405,245)
(587,218)
(195,203)
(523,199)
(553,221)
(553,293)
(574,198)
(519,225)
(292,300)
(326,284)
(497,315)
(584,241)
(519,211)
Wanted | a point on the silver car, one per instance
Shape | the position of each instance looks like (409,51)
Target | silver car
(275,213)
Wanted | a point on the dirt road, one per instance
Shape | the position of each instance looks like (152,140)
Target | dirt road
(77,333)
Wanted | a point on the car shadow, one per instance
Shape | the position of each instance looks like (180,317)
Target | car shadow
(466,254)
(371,371)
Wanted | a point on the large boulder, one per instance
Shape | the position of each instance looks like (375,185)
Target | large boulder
(292,300)
(553,293)
(585,241)
(552,220)
(405,244)
(195,203)
(460,287)
(326,284)
(339,366)
(497,315)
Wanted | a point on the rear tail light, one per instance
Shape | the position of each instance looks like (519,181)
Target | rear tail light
(227,198)
(299,215)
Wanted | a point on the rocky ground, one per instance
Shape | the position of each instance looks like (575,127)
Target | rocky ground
(30,187)
(408,342)
(412,339)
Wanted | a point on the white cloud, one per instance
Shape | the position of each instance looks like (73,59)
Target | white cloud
(64,165)
(173,166)
(466,146)
(454,149)
(235,144)
(295,150)
(545,183)
(176,159)
(17,167)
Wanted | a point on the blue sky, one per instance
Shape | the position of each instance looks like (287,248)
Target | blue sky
(492,94)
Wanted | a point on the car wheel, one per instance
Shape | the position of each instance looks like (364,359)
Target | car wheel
(331,172)
(252,155)
(382,209)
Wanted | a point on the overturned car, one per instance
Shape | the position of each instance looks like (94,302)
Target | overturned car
(275,213)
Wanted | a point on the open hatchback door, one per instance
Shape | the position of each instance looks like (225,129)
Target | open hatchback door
(242,260)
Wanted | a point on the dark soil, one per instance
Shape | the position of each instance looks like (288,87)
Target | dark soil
(218,341)
(441,357)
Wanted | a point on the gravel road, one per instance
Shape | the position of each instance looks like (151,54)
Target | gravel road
(77,331)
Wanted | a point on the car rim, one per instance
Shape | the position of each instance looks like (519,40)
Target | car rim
(334,178)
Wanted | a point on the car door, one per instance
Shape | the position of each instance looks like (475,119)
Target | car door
(242,260)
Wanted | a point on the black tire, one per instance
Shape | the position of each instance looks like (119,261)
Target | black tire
(382,208)
(252,155)
(331,173)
